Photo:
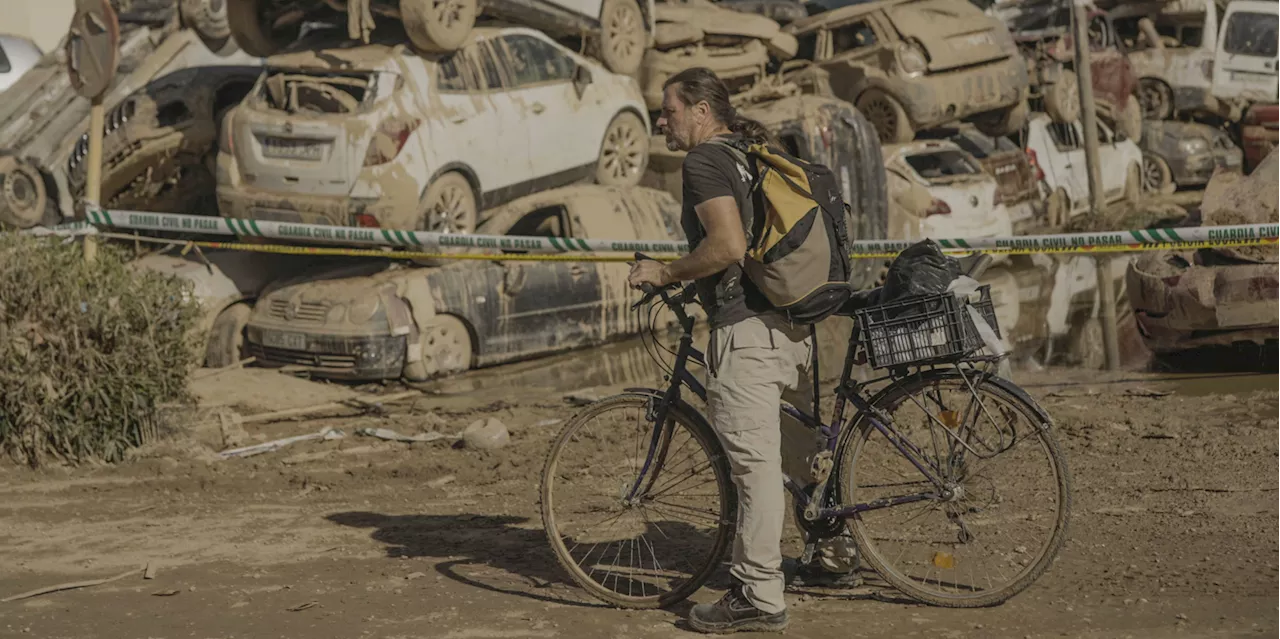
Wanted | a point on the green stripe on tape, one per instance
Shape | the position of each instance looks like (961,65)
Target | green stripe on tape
(963,244)
(1172,235)
(387,236)
(1137,236)
(253,224)
(107,216)
(583,244)
(554,244)
(945,243)
(413,235)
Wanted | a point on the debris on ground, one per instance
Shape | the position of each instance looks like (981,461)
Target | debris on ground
(486,434)
(392,436)
(266,447)
(1231,199)
(68,586)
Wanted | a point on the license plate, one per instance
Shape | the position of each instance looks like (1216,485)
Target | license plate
(289,149)
(281,339)
(979,40)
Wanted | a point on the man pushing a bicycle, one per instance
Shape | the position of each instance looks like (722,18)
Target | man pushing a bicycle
(754,353)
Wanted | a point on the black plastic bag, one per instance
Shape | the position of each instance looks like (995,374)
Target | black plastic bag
(921,269)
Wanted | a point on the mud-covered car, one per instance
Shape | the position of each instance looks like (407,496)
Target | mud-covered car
(1259,133)
(1058,150)
(910,65)
(376,135)
(1017,177)
(816,129)
(780,11)
(160,143)
(375,321)
(617,31)
(945,190)
(1180,154)
(1042,29)
(696,33)
(42,118)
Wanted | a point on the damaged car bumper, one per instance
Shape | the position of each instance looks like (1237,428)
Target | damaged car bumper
(365,357)
(1180,305)
(238,198)
(1197,169)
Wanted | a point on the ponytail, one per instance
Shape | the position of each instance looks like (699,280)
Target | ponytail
(753,131)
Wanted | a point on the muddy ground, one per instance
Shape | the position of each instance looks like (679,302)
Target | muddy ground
(1173,533)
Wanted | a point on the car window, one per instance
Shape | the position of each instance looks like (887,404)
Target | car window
(1005,144)
(853,36)
(941,164)
(533,60)
(808,46)
(1192,36)
(490,77)
(548,221)
(5,67)
(453,73)
(1251,33)
(977,146)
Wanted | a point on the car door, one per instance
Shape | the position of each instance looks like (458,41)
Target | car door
(1110,163)
(1067,161)
(848,49)
(1245,60)
(543,90)
(546,306)
(467,129)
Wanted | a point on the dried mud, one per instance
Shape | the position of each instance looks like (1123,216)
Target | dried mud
(1173,530)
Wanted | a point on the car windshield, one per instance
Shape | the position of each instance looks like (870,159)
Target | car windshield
(1252,34)
(308,91)
(943,164)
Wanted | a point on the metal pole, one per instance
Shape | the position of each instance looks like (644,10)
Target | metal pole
(1097,201)
(93,178)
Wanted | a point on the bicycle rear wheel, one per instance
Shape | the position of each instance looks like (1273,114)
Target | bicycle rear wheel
(660,545)
(1007,517)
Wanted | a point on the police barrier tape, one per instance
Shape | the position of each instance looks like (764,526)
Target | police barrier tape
(423,244)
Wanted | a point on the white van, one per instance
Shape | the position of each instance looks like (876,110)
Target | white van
(1244,65)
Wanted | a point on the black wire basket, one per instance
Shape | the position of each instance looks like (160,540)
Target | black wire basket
(929,329)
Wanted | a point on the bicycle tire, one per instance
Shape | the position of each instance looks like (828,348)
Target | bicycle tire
(684,417)
(1004,391)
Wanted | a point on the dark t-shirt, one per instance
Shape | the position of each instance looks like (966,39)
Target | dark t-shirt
(712,170)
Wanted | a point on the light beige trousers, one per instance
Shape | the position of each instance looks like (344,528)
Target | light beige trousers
(751,364)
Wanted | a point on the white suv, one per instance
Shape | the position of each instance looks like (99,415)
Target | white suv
(1057,149)
(377,135)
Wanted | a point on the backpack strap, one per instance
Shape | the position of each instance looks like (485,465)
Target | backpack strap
(741,153)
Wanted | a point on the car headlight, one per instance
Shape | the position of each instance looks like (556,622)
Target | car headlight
(1194,145)
(912,59)
(335,314)
(363,309)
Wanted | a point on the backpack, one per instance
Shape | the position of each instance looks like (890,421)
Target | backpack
(798,253)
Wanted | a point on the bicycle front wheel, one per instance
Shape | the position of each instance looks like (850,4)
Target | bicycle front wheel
(1002,517)
(638,521)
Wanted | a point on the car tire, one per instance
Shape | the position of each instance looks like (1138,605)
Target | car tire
(25,200)
(226,339)
(448,206)
(1057,208)
(438,26)
(446,349)
(1133,184)
(621,41)
(1129,121)
(209,19)
(887,115)
(870,202)
(1157,177)
(251,33)
(1155,98)
(1005,121)
(624,152)
(1087,348)
(1062,98)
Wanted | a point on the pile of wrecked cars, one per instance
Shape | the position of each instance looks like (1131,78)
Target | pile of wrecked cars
(940,118)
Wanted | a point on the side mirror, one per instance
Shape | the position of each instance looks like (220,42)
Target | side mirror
(581,78)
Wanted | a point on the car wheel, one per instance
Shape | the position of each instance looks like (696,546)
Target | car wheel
(1087,348)
(438,26)
(1129,121)
(1005,121)
(1156,99)
(226,339)
(208,18)
(1062,98)
(621,42)
(446,348)
(1133,184)
(887,115)
(251,31)
(449,206)
(1057,208)
(1157,177)
(24,198)
(624,153)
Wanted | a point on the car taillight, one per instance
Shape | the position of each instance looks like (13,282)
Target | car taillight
(387,142)
(937,208)
(1035,164)
(364,220)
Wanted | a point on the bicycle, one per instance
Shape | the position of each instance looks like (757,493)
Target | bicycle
(938,456)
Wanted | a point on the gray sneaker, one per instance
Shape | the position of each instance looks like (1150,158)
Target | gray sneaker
(734,613)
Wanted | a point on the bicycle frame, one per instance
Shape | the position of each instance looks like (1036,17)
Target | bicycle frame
(848,390)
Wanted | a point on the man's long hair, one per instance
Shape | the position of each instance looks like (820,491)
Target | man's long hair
(697,84)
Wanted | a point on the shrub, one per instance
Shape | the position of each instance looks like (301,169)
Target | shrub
(87,351)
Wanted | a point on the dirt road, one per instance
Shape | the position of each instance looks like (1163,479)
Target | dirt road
(1173,535)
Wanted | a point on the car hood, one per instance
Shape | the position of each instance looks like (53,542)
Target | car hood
(955,34)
